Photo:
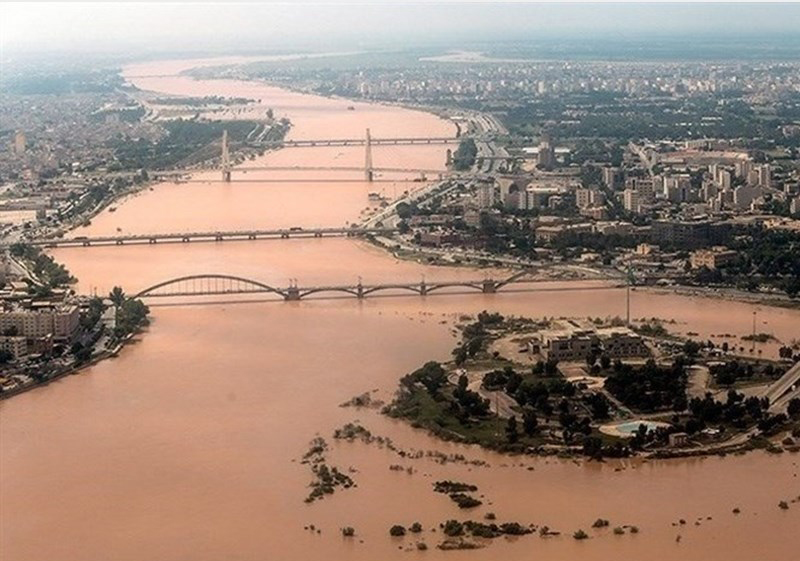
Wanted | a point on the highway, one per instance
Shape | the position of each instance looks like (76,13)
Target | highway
(783,390)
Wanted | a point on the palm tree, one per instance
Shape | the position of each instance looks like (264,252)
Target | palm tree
(117,296)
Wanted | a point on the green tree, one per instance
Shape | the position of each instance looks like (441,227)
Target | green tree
(793,410)
(530,424)
(117,297)
(512,433)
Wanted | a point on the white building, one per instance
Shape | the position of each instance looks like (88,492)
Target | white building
(631,200)
(572,341)
(17,346)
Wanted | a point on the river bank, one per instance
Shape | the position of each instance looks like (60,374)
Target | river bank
(95,360)
(421,255)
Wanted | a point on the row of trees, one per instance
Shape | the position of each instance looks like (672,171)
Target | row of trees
(45,268)
(728,373)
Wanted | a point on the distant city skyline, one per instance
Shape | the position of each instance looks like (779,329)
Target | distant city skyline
(211,27)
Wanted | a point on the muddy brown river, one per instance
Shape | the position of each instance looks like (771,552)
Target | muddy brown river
(187,446)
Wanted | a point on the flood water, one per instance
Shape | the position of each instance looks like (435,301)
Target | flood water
(187,446)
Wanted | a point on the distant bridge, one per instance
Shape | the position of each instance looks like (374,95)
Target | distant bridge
(369,170)
(397,141)
(220,284)
(368,142)
(326,179)
(217,236)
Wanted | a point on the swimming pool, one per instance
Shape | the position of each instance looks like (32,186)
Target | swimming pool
(629,428)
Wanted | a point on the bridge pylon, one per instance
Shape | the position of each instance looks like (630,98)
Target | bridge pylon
(489,286)
(225,161)
(293,292)
(368,173)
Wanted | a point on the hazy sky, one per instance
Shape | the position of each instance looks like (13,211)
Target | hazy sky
(150,26)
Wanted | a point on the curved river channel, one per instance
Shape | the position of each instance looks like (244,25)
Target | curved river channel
(188,445)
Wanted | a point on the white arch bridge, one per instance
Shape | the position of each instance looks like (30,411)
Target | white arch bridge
(221,284)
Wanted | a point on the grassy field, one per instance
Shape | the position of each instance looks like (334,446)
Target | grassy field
(419,407)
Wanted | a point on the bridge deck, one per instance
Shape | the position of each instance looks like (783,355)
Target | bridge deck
(231,235)
(309,142)
(339,168)
(223,285)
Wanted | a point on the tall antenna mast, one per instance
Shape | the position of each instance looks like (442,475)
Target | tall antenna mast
(368,158)
(226,157)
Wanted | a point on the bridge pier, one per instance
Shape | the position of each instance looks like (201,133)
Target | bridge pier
(119,242)
(489,286)
(152,240)
(218,238)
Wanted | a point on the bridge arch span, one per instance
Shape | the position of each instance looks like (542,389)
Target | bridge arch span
(260,286)
(439,286)
(515,277)
(327,289)
(373,289)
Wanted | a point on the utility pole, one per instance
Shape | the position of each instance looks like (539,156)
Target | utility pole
(628,296)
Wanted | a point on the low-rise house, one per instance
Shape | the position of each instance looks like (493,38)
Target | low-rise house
(678,439)
(619,342)
(712,258)
(565,232)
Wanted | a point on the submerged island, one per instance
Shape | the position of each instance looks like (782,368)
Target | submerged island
(600,388)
